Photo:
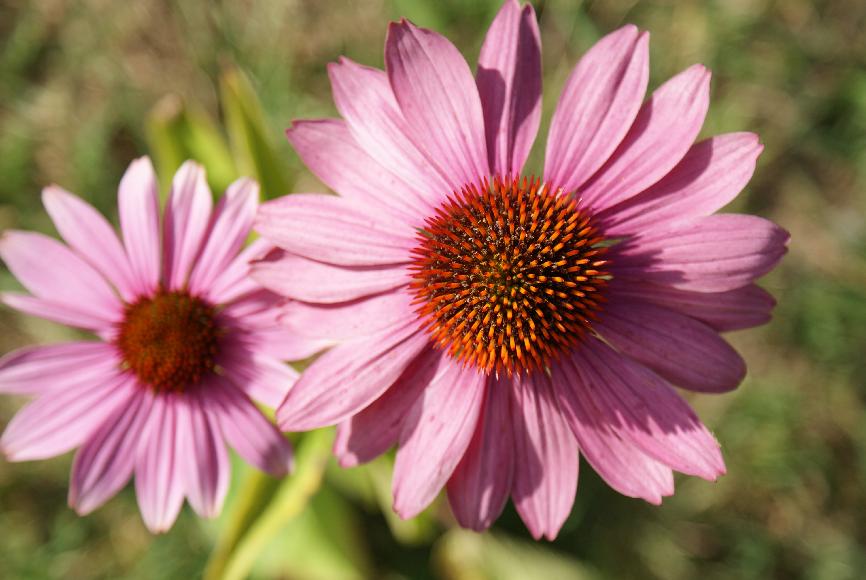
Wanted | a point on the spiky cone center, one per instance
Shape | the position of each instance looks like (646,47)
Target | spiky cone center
(169,340)
(509,274)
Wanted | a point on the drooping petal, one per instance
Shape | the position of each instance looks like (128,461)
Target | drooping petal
(688,353)
(439,100)
(664,130)
(202,457)
(138,205)
(159,483)
(598,105)
(334,230)
(545,457)
(36,370)
(509,84)
(481,483)
(435,434)
(187,217)
(105,461)
(712,254)
(711,174)
(349,377)
(91,236)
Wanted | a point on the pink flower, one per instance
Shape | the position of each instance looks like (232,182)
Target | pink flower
(494,326)
(186,341)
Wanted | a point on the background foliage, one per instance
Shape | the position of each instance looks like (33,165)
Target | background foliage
(87,85)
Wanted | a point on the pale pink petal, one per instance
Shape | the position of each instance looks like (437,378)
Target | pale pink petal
(159,482)
(435,434)
(711,174)
(642,408)
(439,100)
(481,482)
(349,377)
(35,370)
(712,254)
(688,353)
(234,280)
(509,84)
(91,236)
(138,205)
(53,272)
(334,230)
(311,281)
(65,314)
(545,457)
(202,457)
(622,465)
(60,421)
(259,375)
(187,216)
(232,222)
(105,461)
(248,432)
(598,105)
(372,431)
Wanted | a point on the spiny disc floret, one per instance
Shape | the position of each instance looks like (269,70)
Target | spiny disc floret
(508,274)
(169,340)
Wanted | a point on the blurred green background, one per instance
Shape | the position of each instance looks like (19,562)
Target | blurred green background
(87,85)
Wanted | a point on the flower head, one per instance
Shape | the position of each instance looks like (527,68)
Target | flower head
(186,342)
(495,325)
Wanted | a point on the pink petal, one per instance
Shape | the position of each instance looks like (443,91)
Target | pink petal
(203,459)
(711,254)
(481,483)
(598,105)
(435,434)
(138,205)
(349,377)
(35,370)
(187,216)
(249,433)
(619,462)
(234,280)
(377,427)
(105,461)
(439,100)
(509,84)
(91,236)
(711,174)
(643,409)
(334,230)
(662,133)
(159,481)
(54,273)
(56,312)
(232,222)
(545,457)
(258,375)
(311,281)
(60,421)
(688,353)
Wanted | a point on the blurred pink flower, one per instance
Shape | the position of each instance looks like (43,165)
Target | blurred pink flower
(186,340)
(494,326)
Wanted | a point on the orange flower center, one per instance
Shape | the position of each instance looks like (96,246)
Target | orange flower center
(169,340)
(509,275)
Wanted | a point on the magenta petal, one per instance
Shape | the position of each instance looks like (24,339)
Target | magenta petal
(138,205)
(202,457)
(187,217)
(105,461)
(546,457)
(159,481)
(91,236)
(712,254)
(688,353)
(509,84)
(436,432)
(234,280)
(349,377)
(334,230)
(598,105)
(439,100)
(481,483)
(41,369)
(377,427)
(664,130)
(258,375)
(711,175)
